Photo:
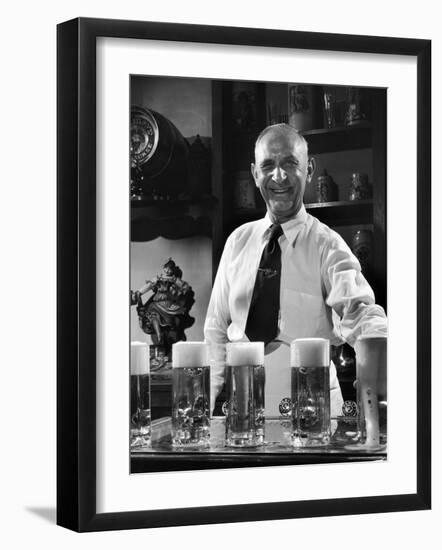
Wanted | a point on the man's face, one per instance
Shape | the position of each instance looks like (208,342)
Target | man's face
(281,171)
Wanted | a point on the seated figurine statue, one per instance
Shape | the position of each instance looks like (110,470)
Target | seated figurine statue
(165,315)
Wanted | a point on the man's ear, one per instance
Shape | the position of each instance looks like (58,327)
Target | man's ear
(253,172)
(311,167)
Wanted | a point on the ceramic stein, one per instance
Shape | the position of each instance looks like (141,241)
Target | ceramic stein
(326,188)
(360,188)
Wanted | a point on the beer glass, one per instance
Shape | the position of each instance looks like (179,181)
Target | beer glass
(140,422)
(190,395)
(245,380)
(371,388)
(310,364)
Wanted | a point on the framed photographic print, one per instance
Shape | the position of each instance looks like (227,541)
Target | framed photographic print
(179,148)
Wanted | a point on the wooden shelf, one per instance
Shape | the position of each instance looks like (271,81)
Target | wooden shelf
(177,227)
(335,204)
(171,219)
(327,140)
(342,212)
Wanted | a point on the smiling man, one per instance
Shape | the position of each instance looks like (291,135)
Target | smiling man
(287,276)
(281,170)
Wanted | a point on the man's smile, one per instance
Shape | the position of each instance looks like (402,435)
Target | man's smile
(281,191)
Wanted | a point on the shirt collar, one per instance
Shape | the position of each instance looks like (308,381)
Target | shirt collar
(291,228)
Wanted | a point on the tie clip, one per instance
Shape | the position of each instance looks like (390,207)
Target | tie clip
(268,273)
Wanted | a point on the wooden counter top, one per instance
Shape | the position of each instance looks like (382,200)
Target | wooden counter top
(278,450)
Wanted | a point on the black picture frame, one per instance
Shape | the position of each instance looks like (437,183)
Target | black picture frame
(76,273)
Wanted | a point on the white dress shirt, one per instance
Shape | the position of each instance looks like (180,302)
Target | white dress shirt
(323,293)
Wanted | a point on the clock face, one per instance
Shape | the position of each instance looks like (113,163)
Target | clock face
(143,136)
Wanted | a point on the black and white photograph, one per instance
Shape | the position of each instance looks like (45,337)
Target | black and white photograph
(258,273)
(243,274)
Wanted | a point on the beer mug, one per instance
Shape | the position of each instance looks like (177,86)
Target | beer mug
(140,421)
(371,389)
(310,363)
(190,395)
(245,381)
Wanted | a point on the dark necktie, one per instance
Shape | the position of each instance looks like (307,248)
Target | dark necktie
(262,321)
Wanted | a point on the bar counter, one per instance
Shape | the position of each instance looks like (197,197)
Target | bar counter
(277,449)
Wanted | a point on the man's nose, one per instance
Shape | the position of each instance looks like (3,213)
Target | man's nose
(279,175)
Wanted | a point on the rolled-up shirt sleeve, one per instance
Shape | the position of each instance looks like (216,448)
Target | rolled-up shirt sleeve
(349,295)
(217,322)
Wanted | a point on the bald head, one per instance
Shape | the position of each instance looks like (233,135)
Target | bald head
(283,130)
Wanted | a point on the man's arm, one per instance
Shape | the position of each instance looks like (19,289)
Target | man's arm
(217,322)
(349,294)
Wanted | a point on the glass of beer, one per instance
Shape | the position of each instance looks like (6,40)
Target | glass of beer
(140,422)
(190,395)
(245,380)
(310,364)
(371,389)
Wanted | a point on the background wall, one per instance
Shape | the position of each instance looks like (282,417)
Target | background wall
(185,101)
(27,218)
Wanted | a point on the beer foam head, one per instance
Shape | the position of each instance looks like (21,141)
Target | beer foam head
(245,353)
(371,349)
(190,354)
(310,352)
(139,358)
